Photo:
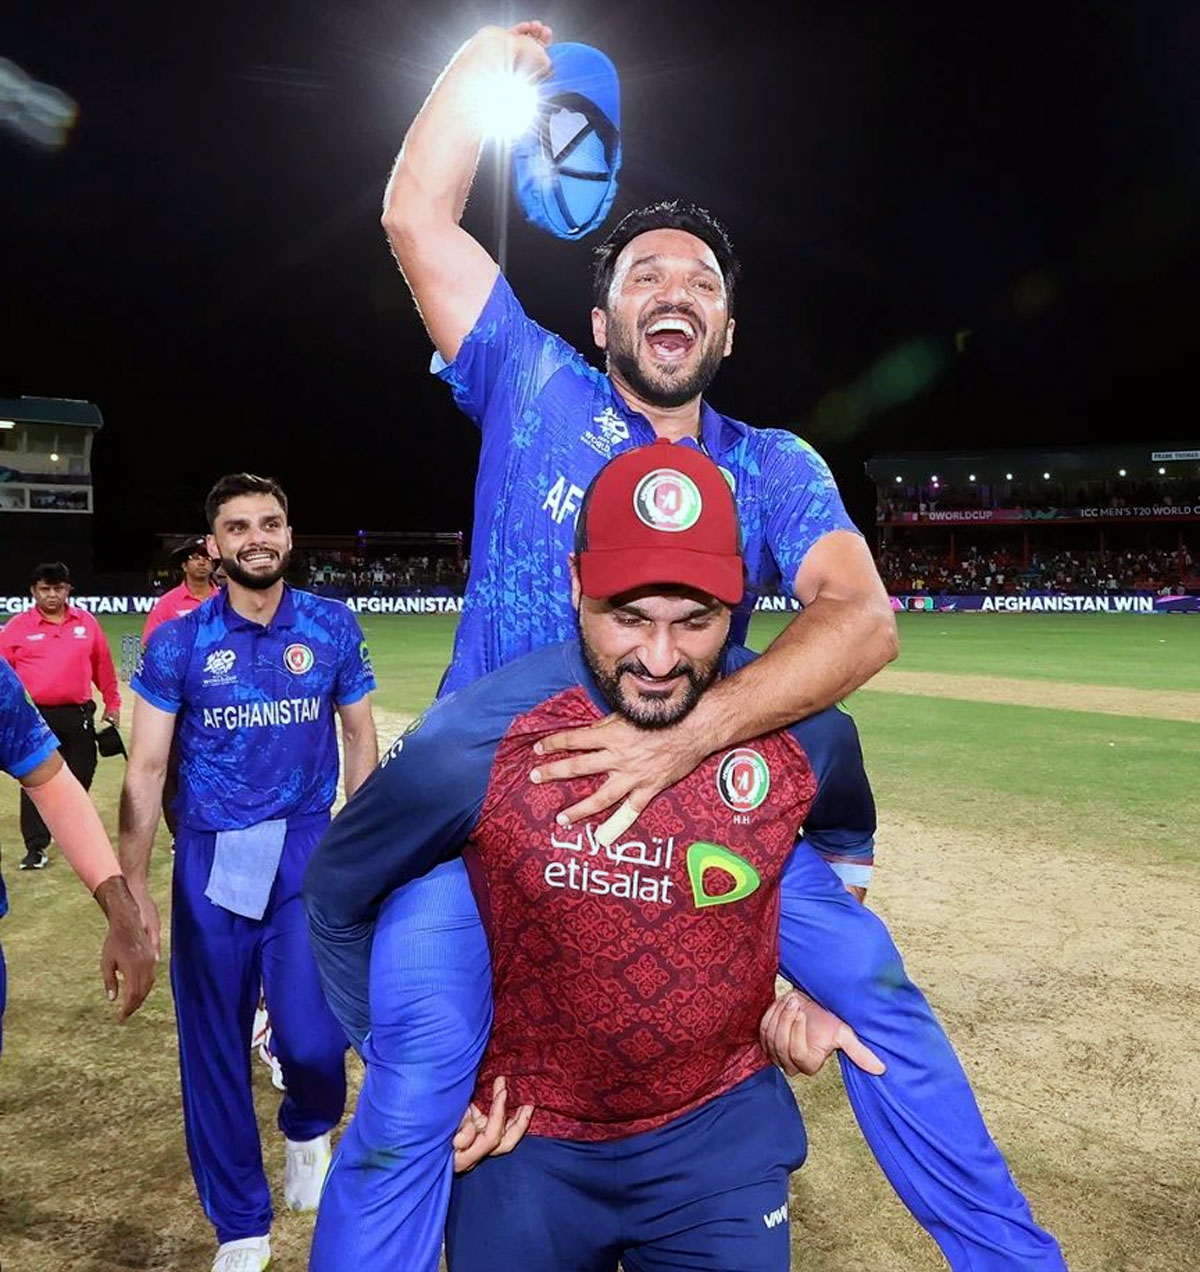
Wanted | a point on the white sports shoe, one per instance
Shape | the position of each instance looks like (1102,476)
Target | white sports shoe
(259,1028)
(304,1171)
(250,1254)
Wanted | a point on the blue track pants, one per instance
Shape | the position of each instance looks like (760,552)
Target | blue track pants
(218,962)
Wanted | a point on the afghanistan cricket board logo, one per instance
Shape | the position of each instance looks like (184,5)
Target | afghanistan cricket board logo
(743,779)
(298,659)
(667,500)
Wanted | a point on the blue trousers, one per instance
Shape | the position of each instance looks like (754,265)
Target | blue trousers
(390,1181)
(707,1191)
(218,962)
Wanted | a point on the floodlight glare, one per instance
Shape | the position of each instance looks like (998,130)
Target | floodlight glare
(1120,472)
(934,479)
(899,478)
(1008,476)
(972,477)
(1162,472)
(8,423)
(505,105)
(1046,476)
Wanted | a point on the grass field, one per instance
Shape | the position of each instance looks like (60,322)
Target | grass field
(1039,865)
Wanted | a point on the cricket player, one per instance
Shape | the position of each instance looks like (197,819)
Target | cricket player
(630,978)
(29,752)
(251,681)
(662,314)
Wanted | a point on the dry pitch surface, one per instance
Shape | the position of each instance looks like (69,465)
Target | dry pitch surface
(1065,980)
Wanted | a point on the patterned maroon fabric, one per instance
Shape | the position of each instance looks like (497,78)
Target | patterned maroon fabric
(622,998)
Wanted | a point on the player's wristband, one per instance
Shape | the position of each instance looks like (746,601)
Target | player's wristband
(71,818)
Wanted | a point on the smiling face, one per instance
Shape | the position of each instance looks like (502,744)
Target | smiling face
(252,540)
(654,651)
(665,326)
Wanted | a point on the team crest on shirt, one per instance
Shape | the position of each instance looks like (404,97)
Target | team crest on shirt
(298,659)
(743,780)
(667,499)
(80,631)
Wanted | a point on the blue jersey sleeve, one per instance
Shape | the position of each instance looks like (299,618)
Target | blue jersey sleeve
(503,364)
(163,667)
(802,502)
(841,822)
(355,675)
(416,809)
(25,739)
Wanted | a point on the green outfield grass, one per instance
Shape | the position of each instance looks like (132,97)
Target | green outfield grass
(1141,651)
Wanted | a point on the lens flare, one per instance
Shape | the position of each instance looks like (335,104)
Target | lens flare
(505,104)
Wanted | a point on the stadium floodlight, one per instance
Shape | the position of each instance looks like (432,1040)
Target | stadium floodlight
(1046,476)
(1162,472)
(1008,476)
(899,479)
(13,424)
(54,457)
(972,477)
(934,479)
(1120,472)
(505,104)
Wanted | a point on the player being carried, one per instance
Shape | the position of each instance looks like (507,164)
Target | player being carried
(549,422)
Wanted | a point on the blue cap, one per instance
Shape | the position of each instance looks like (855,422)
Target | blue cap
(565,167)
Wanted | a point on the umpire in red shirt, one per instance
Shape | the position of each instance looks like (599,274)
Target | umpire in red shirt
(59,653)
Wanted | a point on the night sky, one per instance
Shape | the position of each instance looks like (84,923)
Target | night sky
(960,225)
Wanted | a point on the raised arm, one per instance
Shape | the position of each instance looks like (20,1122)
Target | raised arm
(448,272)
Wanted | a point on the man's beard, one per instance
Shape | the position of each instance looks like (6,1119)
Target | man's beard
(651,713)
(675,387)
(256,582)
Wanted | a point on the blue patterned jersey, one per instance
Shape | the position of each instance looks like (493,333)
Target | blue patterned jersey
(550,421)
(254,706)
(25,740)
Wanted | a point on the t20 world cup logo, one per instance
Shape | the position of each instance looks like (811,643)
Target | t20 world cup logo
(743,779)
(667,500)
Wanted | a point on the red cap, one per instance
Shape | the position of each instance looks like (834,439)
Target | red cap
(660,514)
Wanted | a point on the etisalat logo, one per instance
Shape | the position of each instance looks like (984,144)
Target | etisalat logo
(667,500)
(641,869)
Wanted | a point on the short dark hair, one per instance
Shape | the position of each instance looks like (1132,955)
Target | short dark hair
(234,484)
(673,214)
(50,572)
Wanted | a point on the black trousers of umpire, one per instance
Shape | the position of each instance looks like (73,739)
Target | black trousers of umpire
(76,734)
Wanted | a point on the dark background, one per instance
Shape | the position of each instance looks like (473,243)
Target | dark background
(961,226)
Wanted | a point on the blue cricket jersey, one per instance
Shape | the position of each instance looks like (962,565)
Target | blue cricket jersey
(254,706)
(550,421)
(25,739)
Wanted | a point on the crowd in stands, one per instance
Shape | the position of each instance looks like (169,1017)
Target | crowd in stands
(345,573)
(1000,570)
(1036,494)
